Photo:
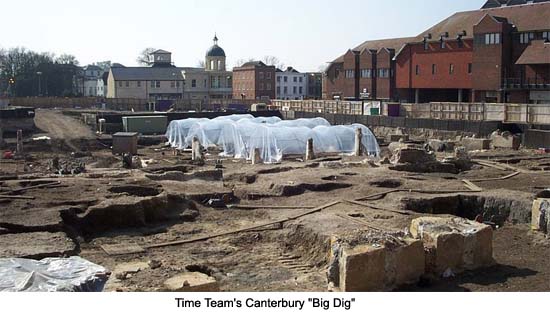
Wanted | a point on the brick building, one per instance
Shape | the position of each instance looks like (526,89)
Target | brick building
(254,80)
(499,54)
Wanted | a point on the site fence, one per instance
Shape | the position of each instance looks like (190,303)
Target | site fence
(516,113)
(320,106)
(130,104)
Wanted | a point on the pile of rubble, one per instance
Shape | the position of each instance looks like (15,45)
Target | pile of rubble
(66,167)
(416,158)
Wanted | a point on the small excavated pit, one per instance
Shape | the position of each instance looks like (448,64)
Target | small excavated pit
(137,191)
(496,209)
(387,183)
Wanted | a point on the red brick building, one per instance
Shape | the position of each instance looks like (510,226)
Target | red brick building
(254,80)
(499,54)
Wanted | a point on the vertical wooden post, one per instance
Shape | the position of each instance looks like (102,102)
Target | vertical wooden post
(19,142)
(358,149)
(256,157)
(196,153)
(310,155)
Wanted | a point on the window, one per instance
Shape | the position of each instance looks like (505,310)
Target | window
(285,79)
(178,84)
(525,38)
(469,68)
(383,73)
(295,79)
(268,75)
(442,44)
(301,90)
(434,69)
(127,84)
(139,83)
(261,74)
(301,79)
(451,69)
(492,38)
(194,83)
(546,35)
(366,73)
(426,45)
(350,73)
(172,84)
(278,90)
(278,79)
(261,86)
(120,84)
(285,90)
(157,83)
(294,90)
(417,70)
(268,86)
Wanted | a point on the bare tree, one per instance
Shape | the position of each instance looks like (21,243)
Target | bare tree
(272,60)
(144,58)
(240,62)
(67,59)
(201,63)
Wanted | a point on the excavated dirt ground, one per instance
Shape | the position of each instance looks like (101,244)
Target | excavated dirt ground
(165,202)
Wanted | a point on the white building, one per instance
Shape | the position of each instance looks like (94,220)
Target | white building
(290,84)
(90,76)
(164,81)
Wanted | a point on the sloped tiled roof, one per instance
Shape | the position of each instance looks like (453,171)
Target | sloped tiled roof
(147,73)
(499,3)
(377,45)
(537,52)
(529,17)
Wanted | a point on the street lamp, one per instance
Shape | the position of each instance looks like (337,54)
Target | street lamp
(39,83)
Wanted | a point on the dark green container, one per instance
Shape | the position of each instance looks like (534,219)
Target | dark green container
(374,111)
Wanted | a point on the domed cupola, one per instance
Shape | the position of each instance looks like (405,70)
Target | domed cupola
(215,57)
(215,50)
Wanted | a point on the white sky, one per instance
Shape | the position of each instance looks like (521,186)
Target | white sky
(301,33)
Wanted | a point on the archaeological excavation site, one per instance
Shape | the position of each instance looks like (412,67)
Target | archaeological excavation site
(269,201)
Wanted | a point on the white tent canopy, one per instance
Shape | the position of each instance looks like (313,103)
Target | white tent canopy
(239,135)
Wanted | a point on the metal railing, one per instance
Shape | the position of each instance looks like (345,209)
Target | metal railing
(526,83)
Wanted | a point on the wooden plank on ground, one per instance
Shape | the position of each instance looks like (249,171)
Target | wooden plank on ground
(471,186)
(122,248)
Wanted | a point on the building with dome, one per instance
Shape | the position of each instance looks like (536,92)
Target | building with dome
(165,83)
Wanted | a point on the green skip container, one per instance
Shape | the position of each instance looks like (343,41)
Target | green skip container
(145,124)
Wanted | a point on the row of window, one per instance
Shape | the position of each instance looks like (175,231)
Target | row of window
(154,84)
(295,90)
(267,75)
(496,38)
(294,79)
(261,86)
(451,69)
(369,73)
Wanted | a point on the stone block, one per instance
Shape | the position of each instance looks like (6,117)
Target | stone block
(191,282)
(541,215)
(474,144)
(405,264)
(506,141)
(454,243)
(378,267)
(362,269)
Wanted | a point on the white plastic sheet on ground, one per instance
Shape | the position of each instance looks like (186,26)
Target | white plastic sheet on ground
(272,136)
(72,274)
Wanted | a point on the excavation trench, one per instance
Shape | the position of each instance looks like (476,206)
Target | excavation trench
(495,209)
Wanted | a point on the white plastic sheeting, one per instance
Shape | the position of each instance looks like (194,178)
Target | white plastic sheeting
(72,274)
(272,136)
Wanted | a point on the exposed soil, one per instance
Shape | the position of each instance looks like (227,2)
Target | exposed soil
(168,201)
